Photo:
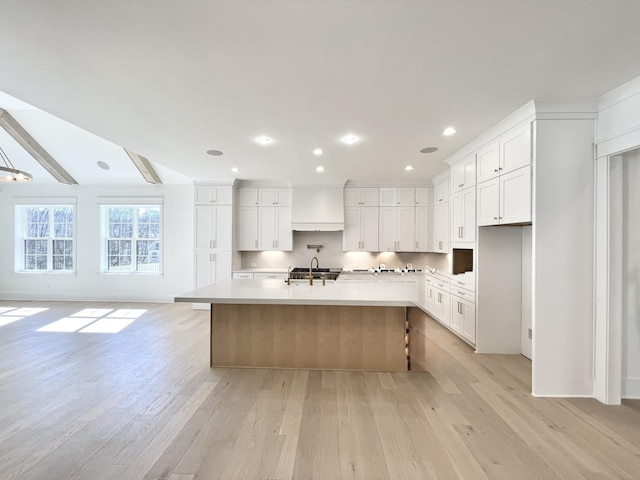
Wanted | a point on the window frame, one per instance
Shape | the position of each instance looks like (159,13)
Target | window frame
(105,238)
(21,237)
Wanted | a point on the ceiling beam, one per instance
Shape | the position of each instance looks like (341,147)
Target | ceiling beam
(34,149)
(145,167)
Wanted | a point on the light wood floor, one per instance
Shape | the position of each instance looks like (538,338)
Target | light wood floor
(143,403)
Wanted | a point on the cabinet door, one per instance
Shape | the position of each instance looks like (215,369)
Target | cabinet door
(267,232)
(284,240)
(369,229)
(442,234)
(248,197)
(222,265)
(446,307)
(488,162)
(204,226)
(388,197)
(469,216)
(351,237)
(283,197)
(369,197)
(515,148)
(405,229)
(463,174)
(469,321)
(489,202)
(424,196)
(457,315)
(352,197)
(515,196)
(442,192)
(222,235)
(267,197)
(457,217)
(205,273)
(423,219)
(213,194)
(247,228)
(405,196)
(387,233)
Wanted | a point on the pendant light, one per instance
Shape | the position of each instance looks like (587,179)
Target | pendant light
(8,173)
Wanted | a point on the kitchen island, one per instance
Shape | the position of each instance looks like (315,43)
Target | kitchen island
(341,325)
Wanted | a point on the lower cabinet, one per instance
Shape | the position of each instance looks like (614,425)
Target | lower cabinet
(212,267)
(463,318)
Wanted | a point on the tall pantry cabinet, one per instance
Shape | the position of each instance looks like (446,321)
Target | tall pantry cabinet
(213,217)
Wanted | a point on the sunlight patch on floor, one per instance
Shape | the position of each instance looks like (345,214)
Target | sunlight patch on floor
(12,314)
(95,320)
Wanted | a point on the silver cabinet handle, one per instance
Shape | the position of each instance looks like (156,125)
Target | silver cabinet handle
(461,185)
(214,242)
(256,244)
(213,256)
(440,245)
(495,218)
(416,244)
(461,232)
(495,170)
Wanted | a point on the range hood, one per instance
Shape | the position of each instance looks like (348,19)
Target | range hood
(317,208)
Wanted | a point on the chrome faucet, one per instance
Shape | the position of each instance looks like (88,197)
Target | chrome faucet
(311,269)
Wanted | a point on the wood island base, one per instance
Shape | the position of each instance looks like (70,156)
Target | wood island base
(309,336)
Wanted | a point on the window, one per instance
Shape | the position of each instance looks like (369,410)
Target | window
(46,238)
(132,240)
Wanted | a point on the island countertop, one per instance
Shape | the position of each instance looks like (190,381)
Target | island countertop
(277,292)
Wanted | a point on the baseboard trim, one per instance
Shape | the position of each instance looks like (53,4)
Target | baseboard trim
(40,297)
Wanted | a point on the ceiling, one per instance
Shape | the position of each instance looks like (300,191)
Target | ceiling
(170,80)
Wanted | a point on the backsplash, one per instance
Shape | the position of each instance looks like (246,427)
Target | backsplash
(331,255)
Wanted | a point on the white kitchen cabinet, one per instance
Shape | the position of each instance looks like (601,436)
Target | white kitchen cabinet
(213,227)
(270,276)
(211,267)
(423,230)
(510,152)
(274,228)
(424,196)
(274,197)
(361,197)
(515,148)
(463,216)
(247,225)
(442,232)
(463,174)
(488,161)
(505,199)
(463,318)
(401,197)
(247,197)
(397,229)
(442,191)
(213,195)
(360,229)
(242,275)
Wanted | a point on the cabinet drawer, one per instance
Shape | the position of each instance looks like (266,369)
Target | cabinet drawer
(463,281)
(464,294)
(261,276)
(240,275)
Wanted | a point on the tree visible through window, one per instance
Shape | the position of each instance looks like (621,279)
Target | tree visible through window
(133,239)
(48,238)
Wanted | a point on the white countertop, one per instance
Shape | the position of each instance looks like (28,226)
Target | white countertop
(358,293)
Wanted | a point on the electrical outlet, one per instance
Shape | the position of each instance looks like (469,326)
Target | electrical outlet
(530,334)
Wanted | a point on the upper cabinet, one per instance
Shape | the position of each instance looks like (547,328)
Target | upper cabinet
(463,174)
(360,197)
(213,195)
(280,197)
(397,197)
(424,196)
(442,192)
(510,152)
(264,219)
(504,178)
(360,229)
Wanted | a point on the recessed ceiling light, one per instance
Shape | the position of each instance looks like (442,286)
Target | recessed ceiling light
(408,168)
(263,140)
(350,139)
(429,150)
(235,169)
(103,165)
(317,151)
(320,169)
(215,153)
(449,131)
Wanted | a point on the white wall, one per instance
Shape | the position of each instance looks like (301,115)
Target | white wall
(563,250)
(631,277)
(333,256)
(87,283)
